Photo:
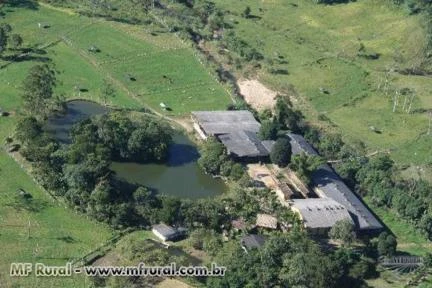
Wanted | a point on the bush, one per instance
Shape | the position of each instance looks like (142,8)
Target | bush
(268,130)
(386,245)
(213,156)
(281,152)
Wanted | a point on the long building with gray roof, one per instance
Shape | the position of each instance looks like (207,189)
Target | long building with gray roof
(327,184)
(320,214)
(237,130)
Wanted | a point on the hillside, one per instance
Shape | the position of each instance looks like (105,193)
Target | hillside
(352,51)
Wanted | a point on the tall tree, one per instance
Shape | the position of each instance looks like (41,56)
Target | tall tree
(344,231)
(268,130)
(3,40)
(38,90)
(281,152)
(28,129)
(287,116)
(213,155)
(386,245)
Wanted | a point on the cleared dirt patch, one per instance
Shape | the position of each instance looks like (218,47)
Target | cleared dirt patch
(256,94)
(263,174)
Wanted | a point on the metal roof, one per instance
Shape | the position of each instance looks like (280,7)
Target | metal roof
(165,230)
(252,241)
(237,130)
(222,122)
(321,212)
(243,143)
(299,145)
(328,184)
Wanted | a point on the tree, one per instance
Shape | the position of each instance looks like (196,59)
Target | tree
(28,129)
(286,116)
(170,212)
(237,171)
(426,224)
(281,152)
(213,155)
(38,90)
(308,269)
(386,245)
(3,40)
(108,91)
(305,165)
(343,230)
(15,41)
(268,130)
(207,240)
(330,145)
(246,12)
(6,27)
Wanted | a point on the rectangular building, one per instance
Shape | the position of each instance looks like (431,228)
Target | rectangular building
(327,184)
(236,130)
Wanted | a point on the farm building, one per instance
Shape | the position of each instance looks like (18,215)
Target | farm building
(320,214)
(237,130)
(168,233)
(327,184)
(266,221)
(252,241)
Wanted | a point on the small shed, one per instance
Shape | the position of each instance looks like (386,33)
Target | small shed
(266,221)
(252,241)
(168,233)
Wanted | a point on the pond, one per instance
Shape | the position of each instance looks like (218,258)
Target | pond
(180,176)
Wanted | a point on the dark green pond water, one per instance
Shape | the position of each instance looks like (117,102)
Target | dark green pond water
(180,176)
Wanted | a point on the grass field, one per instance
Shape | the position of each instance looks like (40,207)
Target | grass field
(320,45)
(41,230)
(163,70)
(409,239)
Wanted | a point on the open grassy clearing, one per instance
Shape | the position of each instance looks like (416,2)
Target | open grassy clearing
(319,45)
(137,67)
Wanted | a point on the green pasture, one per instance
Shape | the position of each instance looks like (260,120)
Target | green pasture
(40,229)
(162,67)
(319,44)
(410,240)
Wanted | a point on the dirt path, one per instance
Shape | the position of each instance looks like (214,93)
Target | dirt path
(256,94)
